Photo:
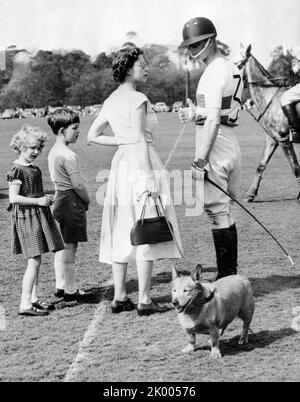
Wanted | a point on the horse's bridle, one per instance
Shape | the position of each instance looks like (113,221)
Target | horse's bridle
(263,83)
(266,108)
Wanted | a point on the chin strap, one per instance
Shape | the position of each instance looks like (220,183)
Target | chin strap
(201,51)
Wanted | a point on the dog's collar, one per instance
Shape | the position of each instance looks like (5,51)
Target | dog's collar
(203,301)
(208,299)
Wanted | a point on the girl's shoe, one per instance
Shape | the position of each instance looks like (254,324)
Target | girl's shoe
(119,306)
(33,311)
(41,305)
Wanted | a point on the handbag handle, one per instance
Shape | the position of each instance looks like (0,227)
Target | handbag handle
(144,207)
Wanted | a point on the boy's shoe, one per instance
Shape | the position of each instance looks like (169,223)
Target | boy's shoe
(152,308)
(119,306)
(33,311)
(59,292)
(79,295)
(41,305)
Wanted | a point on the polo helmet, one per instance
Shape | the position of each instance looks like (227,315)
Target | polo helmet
(196,30)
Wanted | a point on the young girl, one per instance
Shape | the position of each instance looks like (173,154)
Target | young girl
(34,230)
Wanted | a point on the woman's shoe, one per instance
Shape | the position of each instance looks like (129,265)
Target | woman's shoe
(41,305)
(152,308)
(59,292)
(119,306)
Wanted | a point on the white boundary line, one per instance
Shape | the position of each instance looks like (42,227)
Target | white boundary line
(88,338)
(99,314)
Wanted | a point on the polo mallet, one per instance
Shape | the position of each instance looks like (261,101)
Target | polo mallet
(187,79)
(187,86)
(250,213)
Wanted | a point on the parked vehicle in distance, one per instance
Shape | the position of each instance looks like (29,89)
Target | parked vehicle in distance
(51,109)
(40,112)
(161,107)
(8,114)
(176,106)
(27,113)
(95,109)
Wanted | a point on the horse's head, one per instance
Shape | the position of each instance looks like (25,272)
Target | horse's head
(241,59)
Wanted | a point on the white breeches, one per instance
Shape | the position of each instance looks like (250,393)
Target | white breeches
(225,170)
(291,95)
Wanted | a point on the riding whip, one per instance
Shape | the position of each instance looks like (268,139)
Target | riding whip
(250,213)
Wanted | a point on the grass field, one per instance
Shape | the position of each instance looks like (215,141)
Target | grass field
(85,342)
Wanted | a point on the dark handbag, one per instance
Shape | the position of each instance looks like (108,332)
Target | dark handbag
(151,230)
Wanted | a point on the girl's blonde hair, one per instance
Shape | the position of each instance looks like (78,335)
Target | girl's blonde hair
(19,139)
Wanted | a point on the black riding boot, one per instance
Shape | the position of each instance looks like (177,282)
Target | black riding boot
(291,114)
(226,250)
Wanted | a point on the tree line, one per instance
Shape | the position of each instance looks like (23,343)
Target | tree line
(74,78)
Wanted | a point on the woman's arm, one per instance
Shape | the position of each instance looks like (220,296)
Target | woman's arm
(142,150)
(95,134)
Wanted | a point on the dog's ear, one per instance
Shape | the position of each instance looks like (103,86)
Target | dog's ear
(175,273)
(197,273)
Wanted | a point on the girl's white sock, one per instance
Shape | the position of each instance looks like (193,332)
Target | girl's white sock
(59,274)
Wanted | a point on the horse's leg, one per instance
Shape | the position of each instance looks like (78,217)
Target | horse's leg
(270,147)
(289,152)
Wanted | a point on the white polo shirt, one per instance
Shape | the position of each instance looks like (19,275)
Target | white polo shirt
(220,86)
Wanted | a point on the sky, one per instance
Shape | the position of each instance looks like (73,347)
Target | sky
(101,25)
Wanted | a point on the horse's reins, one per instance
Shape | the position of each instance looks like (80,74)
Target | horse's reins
(263,84)
(266,108)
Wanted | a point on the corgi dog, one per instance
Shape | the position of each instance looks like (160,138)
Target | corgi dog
(207,308)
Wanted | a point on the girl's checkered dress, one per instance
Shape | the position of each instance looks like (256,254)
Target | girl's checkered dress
(34,230)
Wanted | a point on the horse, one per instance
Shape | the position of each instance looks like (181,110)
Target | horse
(266,92)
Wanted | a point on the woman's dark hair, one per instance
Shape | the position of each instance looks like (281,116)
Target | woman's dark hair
(124,61)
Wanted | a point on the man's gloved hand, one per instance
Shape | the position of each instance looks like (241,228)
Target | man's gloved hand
(187,114)
(199,169)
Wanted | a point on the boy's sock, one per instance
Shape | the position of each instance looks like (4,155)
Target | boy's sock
(25,301)
(34,294)
(69,275)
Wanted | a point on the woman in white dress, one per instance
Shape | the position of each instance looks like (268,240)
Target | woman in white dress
(135,169)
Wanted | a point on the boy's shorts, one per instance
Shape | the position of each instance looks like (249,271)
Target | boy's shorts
(69,211)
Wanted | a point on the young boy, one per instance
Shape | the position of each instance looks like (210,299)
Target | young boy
(71,200)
